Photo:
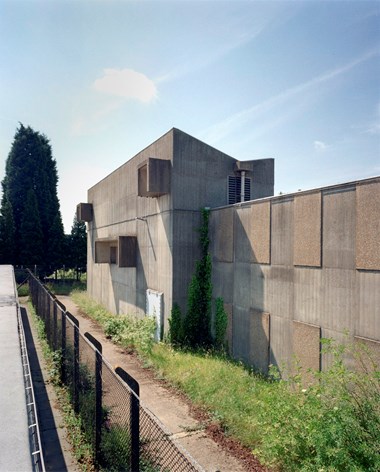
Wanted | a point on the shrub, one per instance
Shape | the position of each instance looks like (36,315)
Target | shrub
(334,424)
(221,322)
(176,326)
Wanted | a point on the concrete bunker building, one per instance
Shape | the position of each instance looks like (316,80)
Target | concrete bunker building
(291,269)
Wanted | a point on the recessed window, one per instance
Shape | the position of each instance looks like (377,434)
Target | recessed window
(113,255)
(234,189)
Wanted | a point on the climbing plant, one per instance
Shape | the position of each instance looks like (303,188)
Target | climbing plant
(197,323)
(194,330)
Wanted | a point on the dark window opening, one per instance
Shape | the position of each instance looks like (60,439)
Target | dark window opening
(234,189)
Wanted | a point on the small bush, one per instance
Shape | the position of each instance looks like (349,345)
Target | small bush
(129,331)
(23,290)
(176,326)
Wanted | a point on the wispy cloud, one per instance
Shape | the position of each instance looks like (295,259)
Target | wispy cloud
(127,84)
(201,62)
(227,126)
(320,146)
(242,30)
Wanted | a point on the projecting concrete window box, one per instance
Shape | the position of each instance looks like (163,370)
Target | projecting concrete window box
(120,251)
(154,178)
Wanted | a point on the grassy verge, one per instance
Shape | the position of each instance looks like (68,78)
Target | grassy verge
(333,425)
(62,287)
(81,449)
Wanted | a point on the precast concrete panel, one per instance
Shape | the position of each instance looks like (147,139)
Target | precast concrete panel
(259,342)
(282,233)
(260,232)
(339,308)
(368,226)
(368,315)
(281,343)
(223,280)
(241,334)
(307,229)
(369,358)
(308,294)
(338,338)
(257,289)
(306,349)
(339,219)
(279,292)
(242,235)
(242,285)
(221,230)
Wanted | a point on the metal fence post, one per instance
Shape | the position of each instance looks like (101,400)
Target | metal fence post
(55,325)
(98,393)
(76,362)
(135,417)
(63,341)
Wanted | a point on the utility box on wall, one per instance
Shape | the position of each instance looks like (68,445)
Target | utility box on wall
(154,308)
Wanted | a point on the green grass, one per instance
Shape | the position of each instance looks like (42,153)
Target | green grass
(128,331)
(23,290)
(65,287)
(81,448)
(333,425)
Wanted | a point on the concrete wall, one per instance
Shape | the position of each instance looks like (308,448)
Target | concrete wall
(295,268)
(119,211)
(156,197)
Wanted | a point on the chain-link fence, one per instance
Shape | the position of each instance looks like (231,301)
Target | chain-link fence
(124,435)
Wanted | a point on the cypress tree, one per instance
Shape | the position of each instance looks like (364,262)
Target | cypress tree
(78,246)
(56,245)
(31,240)
(7,233)
(30,167)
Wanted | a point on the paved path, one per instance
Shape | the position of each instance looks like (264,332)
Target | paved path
(56,448)
(171,409)
(15,453)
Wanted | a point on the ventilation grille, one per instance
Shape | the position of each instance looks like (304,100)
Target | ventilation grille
(234,188)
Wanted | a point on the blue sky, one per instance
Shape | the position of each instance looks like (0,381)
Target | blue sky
(296,81)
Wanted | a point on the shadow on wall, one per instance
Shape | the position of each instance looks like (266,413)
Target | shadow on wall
(238,278)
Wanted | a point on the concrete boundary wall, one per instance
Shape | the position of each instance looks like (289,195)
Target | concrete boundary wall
(309,262)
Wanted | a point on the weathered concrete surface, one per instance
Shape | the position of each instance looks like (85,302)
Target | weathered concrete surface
(183,175)
(307,229)
(312,277)
(171,409)
(306,347)
(15,453)
(368,226)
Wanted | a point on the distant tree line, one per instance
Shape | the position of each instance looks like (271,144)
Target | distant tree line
(31,229)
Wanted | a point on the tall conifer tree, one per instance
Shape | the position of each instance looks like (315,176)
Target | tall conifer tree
(30,186)
(7,233)
(78,245)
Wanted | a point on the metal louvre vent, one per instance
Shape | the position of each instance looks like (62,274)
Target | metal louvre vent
(234,189)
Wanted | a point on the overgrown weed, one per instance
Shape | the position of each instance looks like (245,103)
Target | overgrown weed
(128,331)
(81,449)
(333,424)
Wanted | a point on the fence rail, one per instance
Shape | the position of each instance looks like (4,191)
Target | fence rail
(125,436)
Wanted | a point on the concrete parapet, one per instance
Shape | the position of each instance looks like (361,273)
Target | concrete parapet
(307,229)
(306,348)
(260,232)
(368,226)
